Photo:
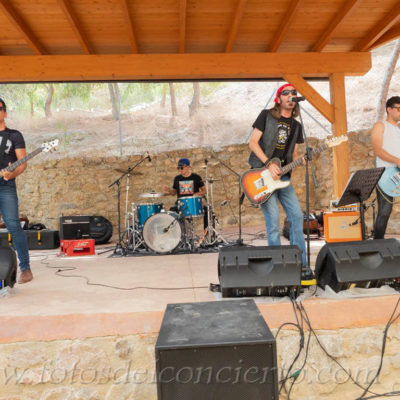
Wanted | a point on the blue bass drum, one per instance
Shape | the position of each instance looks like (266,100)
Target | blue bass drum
(145,211)
(191,206)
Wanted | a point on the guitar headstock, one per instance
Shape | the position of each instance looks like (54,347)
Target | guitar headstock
(335,141)
(47,146)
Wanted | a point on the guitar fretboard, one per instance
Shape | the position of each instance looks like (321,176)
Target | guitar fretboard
(19,162)
(299,161)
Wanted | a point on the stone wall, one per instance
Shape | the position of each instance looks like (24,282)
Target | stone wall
(122,368)
(78,186)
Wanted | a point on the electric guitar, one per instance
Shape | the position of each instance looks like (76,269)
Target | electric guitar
(47,146)
(258,184)
(390,182)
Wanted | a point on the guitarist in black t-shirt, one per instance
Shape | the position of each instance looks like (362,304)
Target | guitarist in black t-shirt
(12,146)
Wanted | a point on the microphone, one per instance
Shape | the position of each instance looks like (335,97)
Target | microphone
(148,156)
(297,99)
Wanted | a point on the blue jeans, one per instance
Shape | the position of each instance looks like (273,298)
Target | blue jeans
(9,211)
(288,199)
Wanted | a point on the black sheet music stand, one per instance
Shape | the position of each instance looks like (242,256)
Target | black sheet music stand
(359,188)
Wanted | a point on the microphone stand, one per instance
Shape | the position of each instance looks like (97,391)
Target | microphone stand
(241,196)
(119,250)
(307,274)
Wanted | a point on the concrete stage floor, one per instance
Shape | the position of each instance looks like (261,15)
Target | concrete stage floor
(59,302)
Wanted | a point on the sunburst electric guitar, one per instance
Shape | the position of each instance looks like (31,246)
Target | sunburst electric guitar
(258,184)
(45,147)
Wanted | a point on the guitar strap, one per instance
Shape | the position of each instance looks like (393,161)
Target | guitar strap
(3,144)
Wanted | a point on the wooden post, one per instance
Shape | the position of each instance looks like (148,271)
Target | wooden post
(339,127)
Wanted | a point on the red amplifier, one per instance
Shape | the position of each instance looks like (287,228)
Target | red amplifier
(81,247)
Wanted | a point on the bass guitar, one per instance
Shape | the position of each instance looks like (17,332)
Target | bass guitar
(258,184)
(390,182)
(45,147)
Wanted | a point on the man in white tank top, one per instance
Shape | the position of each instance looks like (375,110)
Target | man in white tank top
(386,146)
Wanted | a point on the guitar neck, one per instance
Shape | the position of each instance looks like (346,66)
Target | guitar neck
(299,161)
(19,162)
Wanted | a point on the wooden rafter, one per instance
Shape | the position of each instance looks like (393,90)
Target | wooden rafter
(180,66)
(390,35)
(312,96)
(22,26)
(348,6)
(75,25)
(182,25)
(285,25)
(235,25)
(129,25)
(390,19)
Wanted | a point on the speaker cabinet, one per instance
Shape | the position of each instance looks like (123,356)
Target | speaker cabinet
(8,267)
(74,227)
(342,226)
(259,270)
(216,350)
(368,263)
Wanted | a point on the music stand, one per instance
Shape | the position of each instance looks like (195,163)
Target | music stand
(358,189)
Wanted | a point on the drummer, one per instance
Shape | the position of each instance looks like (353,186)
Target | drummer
(187,183)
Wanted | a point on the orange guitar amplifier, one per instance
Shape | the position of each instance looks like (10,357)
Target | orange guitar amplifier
(342,226)
(81,247)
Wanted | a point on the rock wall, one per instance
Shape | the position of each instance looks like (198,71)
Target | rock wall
(77,186)
(122,368)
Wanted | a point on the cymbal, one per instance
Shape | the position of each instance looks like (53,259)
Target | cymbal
(151,195)
(209,164)
(211,180)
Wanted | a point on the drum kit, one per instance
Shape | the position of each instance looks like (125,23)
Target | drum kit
(149,228)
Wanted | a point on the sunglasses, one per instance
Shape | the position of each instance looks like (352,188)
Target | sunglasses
(288,91)
(396,108)
(181,167)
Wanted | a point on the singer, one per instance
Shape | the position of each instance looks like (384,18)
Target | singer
(277,133)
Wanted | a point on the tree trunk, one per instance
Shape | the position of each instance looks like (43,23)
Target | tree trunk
(380,114)
(113,98)
(164,96)
(173,100)
(32,107)
(49,99)
(195,103)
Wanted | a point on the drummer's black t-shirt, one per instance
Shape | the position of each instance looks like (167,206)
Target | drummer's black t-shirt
(187,185)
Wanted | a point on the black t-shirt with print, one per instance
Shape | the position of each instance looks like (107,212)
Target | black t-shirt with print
(15,141)
(285,134)
(187,186)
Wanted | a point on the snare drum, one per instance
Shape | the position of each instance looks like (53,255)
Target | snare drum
(163,232)
(191,206)
(145,211)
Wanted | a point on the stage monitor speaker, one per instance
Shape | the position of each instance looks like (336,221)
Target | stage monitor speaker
(259,270)
(216,350)
(366,264)
(74,227)
(100,229)
(8,267)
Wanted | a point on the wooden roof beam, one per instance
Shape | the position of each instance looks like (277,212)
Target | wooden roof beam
(188,66)
(235,25)
(347,8)
(285,24)
(75,25)
(129,25)
(390,19)
(390,35)
(182,25)
(22,26)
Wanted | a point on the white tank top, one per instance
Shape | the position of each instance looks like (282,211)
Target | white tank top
(391,144)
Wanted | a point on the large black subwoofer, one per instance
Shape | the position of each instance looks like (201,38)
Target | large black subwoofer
(259,270)
(366,264)
(214,351)
(8,267)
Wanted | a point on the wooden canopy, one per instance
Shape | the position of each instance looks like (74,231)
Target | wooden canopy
(84,40)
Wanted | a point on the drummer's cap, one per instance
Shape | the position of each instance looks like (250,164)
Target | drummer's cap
(183,162)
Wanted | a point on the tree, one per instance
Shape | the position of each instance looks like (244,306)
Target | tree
(113,89)
(386,81)
(164,96)
(49,99)
(195,103)
(173,100)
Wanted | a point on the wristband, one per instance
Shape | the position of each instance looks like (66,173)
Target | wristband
(266,163)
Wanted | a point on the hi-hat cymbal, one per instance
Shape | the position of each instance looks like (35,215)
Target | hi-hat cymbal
(151,195)
(210,163)
(211,180)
